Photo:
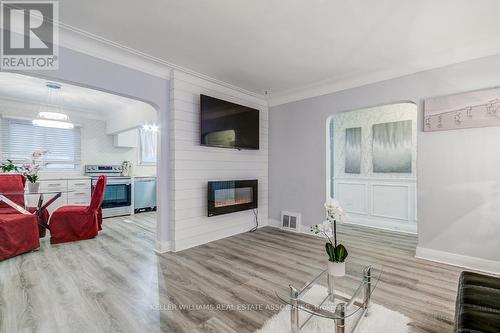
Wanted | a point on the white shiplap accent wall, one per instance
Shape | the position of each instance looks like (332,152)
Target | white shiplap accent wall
(192,165)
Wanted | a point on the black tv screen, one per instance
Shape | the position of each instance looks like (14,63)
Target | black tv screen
(228,125)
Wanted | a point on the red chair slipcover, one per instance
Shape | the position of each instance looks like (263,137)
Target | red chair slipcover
(16,183)
(99,218)
(12,183)
(72,223)
(18,234)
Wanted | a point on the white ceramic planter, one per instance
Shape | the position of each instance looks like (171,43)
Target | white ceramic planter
(336,268)
(33,187)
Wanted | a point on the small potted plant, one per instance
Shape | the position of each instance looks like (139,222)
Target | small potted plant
(8,167)
(337,253)
(30,170)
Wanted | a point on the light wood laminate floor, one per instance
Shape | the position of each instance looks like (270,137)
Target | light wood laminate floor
(116,283)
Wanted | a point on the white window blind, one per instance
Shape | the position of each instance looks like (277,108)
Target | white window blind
(148,146)
(20,138)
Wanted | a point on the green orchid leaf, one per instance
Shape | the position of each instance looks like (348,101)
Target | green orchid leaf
(330,250)
(340,253)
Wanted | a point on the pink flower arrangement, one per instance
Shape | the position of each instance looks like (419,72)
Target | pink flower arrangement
(31,169)
(38,154)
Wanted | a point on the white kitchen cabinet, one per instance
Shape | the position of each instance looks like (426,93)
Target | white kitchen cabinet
(79,184)
(79,197)
(80,192)
(53,185)
(75,192)
(128,139)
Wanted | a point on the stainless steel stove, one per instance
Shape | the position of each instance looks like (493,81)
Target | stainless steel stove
(118,195)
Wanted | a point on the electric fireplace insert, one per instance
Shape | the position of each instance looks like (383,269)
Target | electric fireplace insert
(229,196)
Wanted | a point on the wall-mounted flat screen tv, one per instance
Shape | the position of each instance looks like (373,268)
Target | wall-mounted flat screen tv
(228,125)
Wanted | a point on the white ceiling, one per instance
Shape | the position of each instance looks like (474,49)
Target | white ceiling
(84,102)
(283,45)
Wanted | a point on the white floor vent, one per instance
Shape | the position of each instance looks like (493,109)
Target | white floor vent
(290,220)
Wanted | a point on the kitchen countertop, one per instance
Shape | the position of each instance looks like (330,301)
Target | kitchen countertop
(70,177)
(59,177)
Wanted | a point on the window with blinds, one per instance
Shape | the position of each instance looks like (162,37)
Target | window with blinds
(20,138)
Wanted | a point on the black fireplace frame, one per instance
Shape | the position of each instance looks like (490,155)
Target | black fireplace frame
(227,184)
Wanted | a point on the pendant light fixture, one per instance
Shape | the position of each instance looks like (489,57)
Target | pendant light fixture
(51,114)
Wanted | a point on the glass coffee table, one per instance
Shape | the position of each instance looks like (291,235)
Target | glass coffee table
(344,300)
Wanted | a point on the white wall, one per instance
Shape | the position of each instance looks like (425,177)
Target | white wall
(98,148)
(129,118)
(384,200)
(458,180)
(192,165)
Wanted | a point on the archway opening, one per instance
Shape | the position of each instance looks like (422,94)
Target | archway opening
(106,133)
(372,165)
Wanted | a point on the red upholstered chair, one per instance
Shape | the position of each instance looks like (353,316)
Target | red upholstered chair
(99,218)
(16,183)
(18,234)
(11,183)
(72,223)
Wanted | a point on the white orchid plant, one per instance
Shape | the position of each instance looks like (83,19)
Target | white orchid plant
(31,169)
(334,213)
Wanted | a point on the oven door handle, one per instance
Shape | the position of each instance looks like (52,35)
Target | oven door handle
(117,182)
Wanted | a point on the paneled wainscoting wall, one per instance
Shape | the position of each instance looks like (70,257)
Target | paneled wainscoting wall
(194,165)
(383,203)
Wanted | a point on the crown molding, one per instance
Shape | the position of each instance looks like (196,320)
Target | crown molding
(95,46)
(330,86)
(105,49)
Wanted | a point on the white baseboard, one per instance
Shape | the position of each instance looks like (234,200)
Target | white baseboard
(303,229)
(385,225)
(277,224)
(474,263)
(306,229)
(273,222)
(184,244)
(390,228)
(163,247)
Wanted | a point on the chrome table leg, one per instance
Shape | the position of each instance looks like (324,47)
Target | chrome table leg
(294,310)
(340,323)
(367,275)
(331,288)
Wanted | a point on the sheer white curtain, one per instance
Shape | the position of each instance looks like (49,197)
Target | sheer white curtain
(148,145)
